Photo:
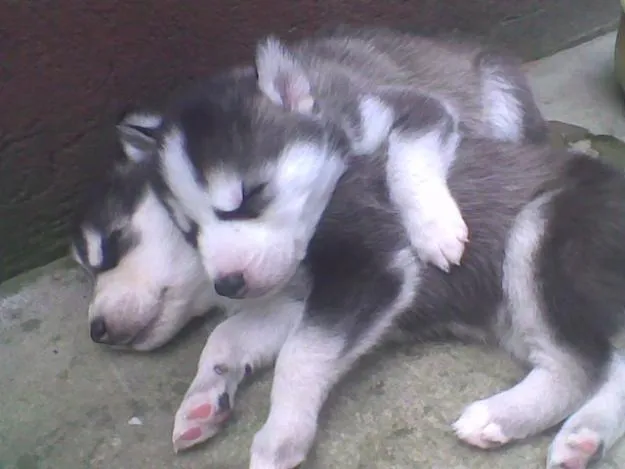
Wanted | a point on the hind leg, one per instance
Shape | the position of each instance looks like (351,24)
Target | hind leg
(595,427)
(543,399)
(559,381)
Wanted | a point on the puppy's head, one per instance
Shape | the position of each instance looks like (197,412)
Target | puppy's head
(148,279)
(254,174)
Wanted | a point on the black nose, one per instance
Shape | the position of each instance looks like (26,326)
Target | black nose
(230,286)
(97,330)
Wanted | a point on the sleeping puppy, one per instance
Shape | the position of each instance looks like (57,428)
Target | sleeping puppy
(542,278)
(415,96)
(148,279)
(407,98)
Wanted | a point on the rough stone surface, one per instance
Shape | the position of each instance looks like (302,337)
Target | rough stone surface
(578,86)
(568,132)
(69,403)
(67,70)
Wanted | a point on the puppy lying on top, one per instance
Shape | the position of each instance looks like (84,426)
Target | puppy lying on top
(335,98)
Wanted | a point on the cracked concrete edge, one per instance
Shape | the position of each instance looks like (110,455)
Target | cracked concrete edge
(580,139)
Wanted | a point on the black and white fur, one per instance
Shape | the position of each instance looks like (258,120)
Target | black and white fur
(537,283)
(412,97)
(417,96)
(542,278)
(148,279)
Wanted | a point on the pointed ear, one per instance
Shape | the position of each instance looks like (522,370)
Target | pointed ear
(281,78)
(137,134)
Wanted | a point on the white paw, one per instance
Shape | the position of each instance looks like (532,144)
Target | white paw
(440,234)
(206,406)
(477,428)
(279,446)
(574,450)
(200,416)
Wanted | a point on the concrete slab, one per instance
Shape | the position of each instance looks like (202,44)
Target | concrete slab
(68,403)
(578,86)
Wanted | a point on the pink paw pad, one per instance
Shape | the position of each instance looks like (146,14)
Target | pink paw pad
(585,441)
(188,439)
(580,449)
(202,411)
(191,434)
(198,420)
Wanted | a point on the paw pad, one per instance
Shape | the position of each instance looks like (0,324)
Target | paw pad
(198,420)
(201,412)
(585,441)
(576,450)
(191,434)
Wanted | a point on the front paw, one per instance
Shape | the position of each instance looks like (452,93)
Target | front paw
(200,416)
(477,427)
(440,234)
(281,446)
(207,404)
(575,449)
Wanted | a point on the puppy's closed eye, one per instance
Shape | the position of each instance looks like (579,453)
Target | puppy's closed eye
(253,202)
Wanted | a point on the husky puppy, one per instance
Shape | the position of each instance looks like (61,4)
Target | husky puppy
(542,277)
(148,280)
(414,97)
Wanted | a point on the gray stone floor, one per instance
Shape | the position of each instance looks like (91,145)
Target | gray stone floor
(66,403)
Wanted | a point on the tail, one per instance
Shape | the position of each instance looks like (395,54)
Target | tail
(510,109)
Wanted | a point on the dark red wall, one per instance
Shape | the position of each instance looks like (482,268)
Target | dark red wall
(67,67)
